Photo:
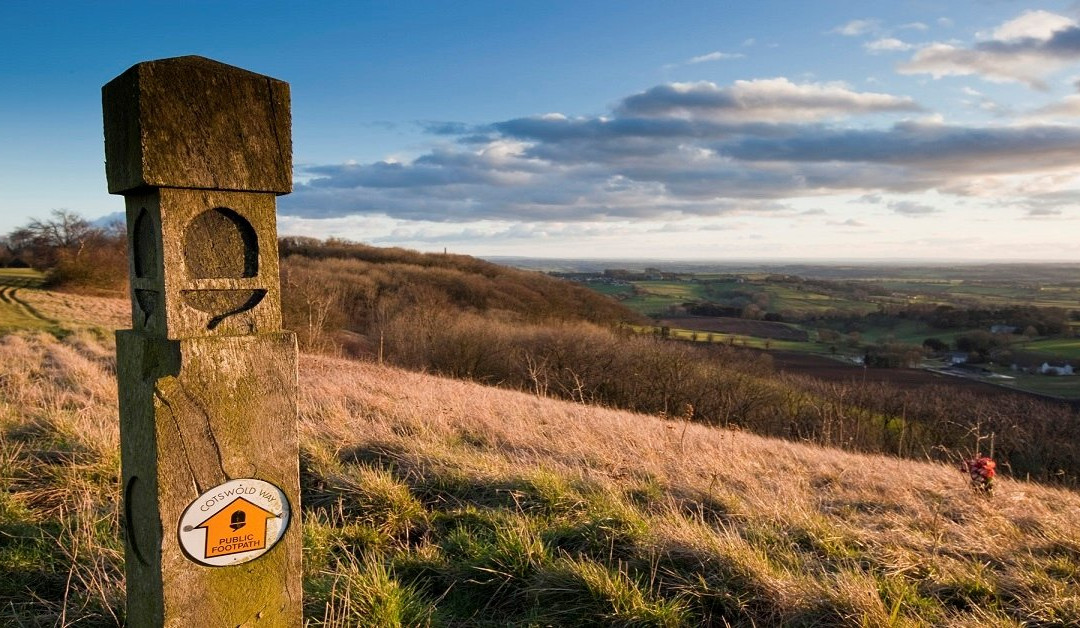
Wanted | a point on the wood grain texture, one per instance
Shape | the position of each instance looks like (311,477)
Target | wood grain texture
(196,413)
(191,122)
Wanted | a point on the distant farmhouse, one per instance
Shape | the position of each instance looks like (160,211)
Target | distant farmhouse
(1051,369)
(1047,368)
(957,357)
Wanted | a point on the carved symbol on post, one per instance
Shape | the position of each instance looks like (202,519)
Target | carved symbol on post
(144,258)
(220,244)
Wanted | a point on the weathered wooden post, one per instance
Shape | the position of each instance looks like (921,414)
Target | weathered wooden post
(207,377)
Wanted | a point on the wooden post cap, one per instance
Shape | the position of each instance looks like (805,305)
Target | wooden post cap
(191,122)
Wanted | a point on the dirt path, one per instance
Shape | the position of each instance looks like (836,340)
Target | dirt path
(16,313)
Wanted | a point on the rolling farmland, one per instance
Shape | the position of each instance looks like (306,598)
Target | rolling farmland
(841,313)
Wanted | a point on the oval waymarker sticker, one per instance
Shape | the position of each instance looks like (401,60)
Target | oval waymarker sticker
(234,522)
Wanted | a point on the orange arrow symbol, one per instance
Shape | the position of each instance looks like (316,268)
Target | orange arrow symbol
(238,527)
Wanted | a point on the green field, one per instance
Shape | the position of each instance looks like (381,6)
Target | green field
(21,277)
(1065,387)
(851,298)
(909,332)
(612,290)
(987,293)
(652,298)
(1066,348)
(784,298)
(655,297)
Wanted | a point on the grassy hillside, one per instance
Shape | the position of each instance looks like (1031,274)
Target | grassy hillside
(461,317)
(432,501)
(330,286)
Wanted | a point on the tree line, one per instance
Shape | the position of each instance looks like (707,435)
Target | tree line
(71,251)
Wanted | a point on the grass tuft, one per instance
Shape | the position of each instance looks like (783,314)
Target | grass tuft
(364,591)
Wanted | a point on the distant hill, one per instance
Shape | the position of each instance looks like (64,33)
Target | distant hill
(335,285)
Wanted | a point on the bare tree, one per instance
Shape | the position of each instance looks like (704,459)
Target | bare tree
(64,234)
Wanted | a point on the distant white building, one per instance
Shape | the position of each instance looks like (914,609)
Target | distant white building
(957,358)
(1050,369)
(1002,329)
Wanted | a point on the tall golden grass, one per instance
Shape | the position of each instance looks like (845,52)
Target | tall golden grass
(434,501)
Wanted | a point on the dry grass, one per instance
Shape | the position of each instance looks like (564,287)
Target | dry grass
(806,532)
(60,553)
(79,310)
(431,501)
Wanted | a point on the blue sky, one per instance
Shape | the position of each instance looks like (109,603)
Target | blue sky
(707,130)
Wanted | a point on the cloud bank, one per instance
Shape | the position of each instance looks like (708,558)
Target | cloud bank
(681,150)
(691,157)
(1026,50)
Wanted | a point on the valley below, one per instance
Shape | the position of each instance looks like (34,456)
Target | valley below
(996,324)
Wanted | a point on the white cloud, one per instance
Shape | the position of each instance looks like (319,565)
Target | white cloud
(1068,107)
(767,100)
(715,56)
(850,222)
(911,209)
(1043,212)
(1032,25)
(914,26)
(1026,49)
(855,28)
(887,44)
(695,154)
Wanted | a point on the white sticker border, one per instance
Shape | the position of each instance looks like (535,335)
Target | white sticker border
(193,516)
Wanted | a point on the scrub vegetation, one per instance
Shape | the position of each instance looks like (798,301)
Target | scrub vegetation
(68,252)
(432,501)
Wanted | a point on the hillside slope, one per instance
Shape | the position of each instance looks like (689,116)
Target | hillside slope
(429,500)
(336,285)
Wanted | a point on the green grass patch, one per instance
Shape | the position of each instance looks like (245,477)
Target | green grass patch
(15,312)
(612,290)
(1065,348)
(1065,386)
(652,298)
(581,592)
(21,277)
